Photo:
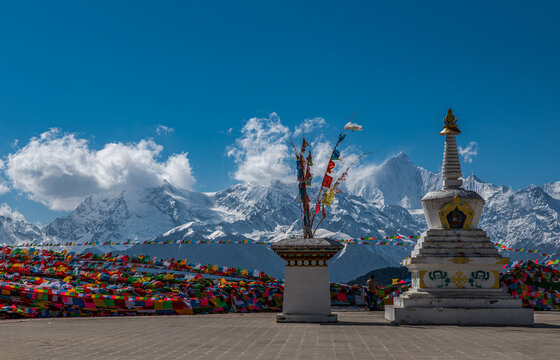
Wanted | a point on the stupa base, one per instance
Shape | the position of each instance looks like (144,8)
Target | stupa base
(459,316)
(306,318)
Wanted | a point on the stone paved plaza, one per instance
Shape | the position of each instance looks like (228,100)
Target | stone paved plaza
(358,335)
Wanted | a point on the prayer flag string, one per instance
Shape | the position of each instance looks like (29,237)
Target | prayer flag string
(367,240)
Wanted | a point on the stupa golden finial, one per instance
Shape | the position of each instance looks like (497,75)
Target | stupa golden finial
(450,124)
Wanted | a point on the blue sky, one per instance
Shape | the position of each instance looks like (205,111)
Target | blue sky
(111,72)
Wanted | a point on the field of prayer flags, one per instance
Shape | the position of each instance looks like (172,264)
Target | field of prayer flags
(46,283)
(538,286)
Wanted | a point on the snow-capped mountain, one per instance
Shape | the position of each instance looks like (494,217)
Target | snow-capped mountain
(267,213)
(138,215)
(243,211)
(17,231)
(397,181)
(384,201)
(527,218)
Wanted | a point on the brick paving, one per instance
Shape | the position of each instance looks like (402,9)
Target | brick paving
(358,335)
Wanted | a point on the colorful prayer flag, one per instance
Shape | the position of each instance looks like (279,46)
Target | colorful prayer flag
(327,181)
(335,155)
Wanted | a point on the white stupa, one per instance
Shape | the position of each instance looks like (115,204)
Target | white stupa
(455,267)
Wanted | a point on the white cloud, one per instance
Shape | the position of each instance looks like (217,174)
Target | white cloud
(177,171)
(4,188)
(7,212)
(262,153)
(164,130)
(362,176)
(308,125)
(469,152)
(321,154)
(60,170)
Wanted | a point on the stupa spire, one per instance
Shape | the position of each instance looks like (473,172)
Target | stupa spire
(451,168)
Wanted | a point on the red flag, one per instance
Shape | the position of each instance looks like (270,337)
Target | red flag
(327,181)
(304,144)
(308,173)
(309,159)
(330,166)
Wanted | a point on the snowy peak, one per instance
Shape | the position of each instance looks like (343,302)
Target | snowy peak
(257,203)
(269,213)
(142,214)
(526,218)
(397,181)
(242,210)
(486,190)
(177,204)
(18,231)
(400,160)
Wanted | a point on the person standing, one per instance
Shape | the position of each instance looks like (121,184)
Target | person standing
(371,297)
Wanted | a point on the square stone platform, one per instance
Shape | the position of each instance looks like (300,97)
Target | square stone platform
(459,316)
(357,335)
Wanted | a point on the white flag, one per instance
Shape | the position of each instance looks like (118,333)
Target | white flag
(351,126)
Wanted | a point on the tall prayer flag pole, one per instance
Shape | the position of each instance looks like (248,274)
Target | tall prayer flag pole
(304,179)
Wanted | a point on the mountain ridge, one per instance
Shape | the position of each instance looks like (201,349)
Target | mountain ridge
(381,201)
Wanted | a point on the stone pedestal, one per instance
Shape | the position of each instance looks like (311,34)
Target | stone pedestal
(306,285)
(455,267)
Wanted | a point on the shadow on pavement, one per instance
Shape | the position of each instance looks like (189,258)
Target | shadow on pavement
(546,326)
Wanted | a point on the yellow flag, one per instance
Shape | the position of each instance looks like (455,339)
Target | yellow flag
(395,281)
(328,197)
